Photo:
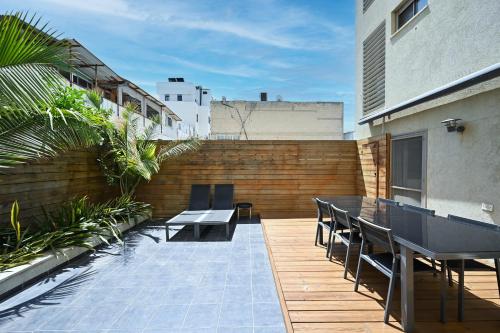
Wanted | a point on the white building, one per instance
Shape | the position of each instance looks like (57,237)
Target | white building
(91,73)
(420,62)
(190,102)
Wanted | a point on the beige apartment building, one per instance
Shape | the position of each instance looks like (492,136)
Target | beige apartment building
(428,74)
(269,120)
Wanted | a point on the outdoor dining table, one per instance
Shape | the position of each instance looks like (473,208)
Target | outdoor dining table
(433,236)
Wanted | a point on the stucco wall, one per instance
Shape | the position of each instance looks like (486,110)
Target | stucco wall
(447,41)
(278,120)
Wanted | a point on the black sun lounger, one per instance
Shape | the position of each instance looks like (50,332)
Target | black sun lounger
(221,213)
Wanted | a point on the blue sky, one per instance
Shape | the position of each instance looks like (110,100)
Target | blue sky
(302,50)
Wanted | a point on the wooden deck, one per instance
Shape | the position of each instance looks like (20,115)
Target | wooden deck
(316,298)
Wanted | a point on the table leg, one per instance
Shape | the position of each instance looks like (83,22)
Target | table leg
(167,238)
(461,271)
(197,231)
(407,292)
(444,287)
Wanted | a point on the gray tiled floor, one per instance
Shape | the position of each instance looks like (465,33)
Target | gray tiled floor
(153,286)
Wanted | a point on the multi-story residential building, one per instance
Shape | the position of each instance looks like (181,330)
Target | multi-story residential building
(190,102)
(91,73)
(276,120)
(428,75)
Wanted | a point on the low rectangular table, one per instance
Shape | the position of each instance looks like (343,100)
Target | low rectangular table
(201,217)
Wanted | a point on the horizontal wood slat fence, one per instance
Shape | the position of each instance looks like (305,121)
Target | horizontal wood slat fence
(51,182)
(278,177)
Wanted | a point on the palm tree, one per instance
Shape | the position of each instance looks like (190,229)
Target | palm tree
(130,157)
(30,126)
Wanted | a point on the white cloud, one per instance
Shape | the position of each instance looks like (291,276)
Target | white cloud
(118,8)
(239,71)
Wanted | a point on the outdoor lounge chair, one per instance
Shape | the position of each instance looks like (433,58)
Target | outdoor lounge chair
(325,222)
(460,266)
(199,213)
(348,235)
(386,262)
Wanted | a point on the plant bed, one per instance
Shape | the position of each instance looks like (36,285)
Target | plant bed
(18,277)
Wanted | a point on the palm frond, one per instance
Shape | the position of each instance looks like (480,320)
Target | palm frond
(30,136)
(29,57)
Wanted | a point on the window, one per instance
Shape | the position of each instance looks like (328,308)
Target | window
(169,121)
(179,98)
(408,11)
(152,113)
(408,169)
(374,70)
(167,98)
(204,93)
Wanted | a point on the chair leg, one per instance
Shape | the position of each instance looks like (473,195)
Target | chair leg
(450,277)
(497,269)
(317,235)
(390,292)
(332,246)
(346,264)
(461,273)
(167,238)
(358,270)
(442,310)
(329,244)
(321,242)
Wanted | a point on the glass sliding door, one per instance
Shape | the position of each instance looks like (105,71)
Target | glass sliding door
(409,169)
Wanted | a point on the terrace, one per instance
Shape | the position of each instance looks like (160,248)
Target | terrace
(269,277)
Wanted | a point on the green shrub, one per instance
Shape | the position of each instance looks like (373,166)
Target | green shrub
(71,225)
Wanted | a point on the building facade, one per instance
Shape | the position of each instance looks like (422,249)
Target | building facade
(190,102)
(427,73)
(88,72)
(267,120)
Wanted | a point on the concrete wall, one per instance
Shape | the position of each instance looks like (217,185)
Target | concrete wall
(446,41)
(278,120)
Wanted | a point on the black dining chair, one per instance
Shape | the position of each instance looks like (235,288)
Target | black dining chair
(388,202)
(460,266)
(346,231)
(387,262)
(420,210)
(326,221)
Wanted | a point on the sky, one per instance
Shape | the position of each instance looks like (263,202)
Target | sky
(302,50)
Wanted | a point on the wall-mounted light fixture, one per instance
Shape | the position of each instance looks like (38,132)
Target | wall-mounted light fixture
(453,125)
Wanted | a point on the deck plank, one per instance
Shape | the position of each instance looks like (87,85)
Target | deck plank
(315,297)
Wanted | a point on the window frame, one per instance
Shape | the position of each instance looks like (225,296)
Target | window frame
(400,9)
(423,189)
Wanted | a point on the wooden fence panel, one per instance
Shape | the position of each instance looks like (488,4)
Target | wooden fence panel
(278,177)
(49,183)
(374,167)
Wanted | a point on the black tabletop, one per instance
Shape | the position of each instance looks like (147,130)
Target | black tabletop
(434,236)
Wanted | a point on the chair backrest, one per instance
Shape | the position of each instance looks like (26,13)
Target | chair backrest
(341,217)
(475,222)
(420,210)
(377,235)
(323,210)
(223,196)
(388,202)
(200,197)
